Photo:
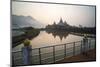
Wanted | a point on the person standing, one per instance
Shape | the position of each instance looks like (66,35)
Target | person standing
(85,45)
(26,52)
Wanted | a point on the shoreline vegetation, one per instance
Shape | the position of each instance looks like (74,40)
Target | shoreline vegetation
(29,32)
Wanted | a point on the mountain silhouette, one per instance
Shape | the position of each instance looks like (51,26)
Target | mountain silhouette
(25,21)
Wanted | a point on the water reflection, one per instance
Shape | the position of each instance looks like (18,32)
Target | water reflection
(61,34)
(50,38)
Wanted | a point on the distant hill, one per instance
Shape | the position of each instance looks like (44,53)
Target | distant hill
(25,21)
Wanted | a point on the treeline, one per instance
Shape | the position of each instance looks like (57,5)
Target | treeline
(88,30)
(29,32)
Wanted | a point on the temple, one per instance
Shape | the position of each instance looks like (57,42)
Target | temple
(60,25)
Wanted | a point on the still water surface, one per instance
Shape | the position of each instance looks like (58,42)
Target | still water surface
(48,39)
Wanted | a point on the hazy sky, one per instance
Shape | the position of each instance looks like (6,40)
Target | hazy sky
(48,13)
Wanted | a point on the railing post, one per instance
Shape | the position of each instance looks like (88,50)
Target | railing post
(40,55)
(74,48)
(65,49)
(54,53)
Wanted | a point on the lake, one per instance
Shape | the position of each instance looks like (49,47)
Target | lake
(46,38)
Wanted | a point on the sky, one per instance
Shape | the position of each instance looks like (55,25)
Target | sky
(48,13)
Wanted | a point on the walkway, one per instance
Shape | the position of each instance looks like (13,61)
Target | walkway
(91,56)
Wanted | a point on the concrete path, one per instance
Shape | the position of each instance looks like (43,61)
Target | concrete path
(91,56)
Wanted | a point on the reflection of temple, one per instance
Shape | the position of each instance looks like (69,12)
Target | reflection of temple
(60,25)
(54,29)
(60,34)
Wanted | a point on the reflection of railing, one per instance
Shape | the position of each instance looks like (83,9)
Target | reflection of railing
(52,54)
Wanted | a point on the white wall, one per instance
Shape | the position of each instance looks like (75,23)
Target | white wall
(5,33)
